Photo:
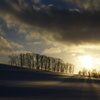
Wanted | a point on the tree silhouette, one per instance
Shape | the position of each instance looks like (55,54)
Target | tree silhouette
(40,62)
(86,72)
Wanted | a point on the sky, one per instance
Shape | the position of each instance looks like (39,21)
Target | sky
(66,29)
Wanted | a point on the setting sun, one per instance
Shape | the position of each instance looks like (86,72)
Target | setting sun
(86,61)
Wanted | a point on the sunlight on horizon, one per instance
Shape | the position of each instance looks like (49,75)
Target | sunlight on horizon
(86,61)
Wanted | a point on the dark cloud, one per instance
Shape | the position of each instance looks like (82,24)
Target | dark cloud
(70,26)
(90,5)
(36,1)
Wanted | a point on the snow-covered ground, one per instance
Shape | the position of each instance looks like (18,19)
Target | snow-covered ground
(26,84)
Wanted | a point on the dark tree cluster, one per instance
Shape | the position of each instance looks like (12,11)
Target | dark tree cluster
(86,72)
(40,62)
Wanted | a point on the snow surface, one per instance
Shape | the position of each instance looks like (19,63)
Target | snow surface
(18,83)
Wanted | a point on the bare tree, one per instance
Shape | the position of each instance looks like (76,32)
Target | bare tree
(40,62)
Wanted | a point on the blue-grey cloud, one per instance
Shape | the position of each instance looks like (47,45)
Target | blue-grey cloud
(90,5)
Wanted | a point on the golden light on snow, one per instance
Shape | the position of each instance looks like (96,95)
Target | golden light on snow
(86,61)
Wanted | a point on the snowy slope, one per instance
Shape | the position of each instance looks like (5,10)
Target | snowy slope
(18,83)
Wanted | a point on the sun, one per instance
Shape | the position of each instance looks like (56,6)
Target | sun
(86,61)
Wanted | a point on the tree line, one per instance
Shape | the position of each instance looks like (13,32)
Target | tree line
(86,72)
(40,62)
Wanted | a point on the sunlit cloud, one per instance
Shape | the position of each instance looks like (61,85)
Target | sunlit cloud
(7,47)
(4,44)
(16,45)
(36,43)
(76,10)
(10,52)
(34,35)
(52,51)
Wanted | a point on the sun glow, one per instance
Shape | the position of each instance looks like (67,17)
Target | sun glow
(86,61)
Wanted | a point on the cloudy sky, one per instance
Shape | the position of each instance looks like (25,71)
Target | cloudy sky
(66,29)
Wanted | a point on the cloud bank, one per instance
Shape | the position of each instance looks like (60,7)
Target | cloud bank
(60,25)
